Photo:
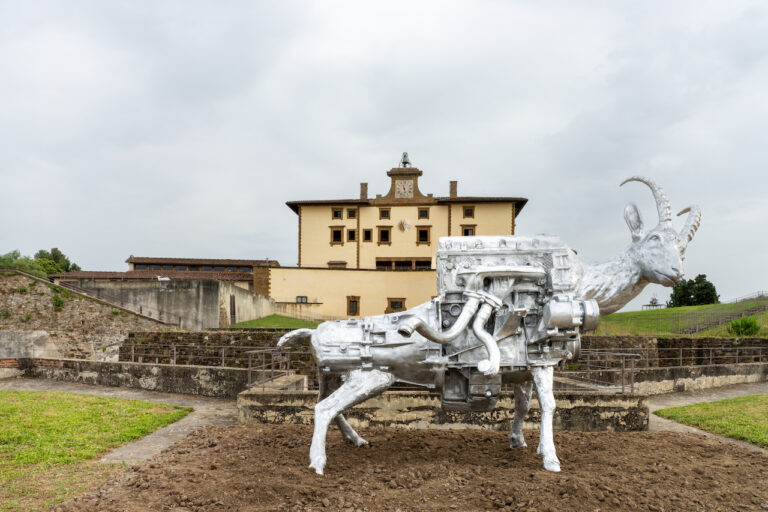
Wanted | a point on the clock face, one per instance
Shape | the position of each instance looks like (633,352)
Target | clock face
(404,188)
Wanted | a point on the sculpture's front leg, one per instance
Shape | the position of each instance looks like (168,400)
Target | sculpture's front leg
(543,379)
(359,386)
(522,405)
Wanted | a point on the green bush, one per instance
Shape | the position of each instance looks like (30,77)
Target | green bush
(744,326)
(57,301)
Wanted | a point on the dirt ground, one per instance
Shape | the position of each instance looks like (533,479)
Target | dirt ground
(264,467)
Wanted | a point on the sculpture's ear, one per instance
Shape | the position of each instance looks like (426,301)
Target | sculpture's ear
(634,221)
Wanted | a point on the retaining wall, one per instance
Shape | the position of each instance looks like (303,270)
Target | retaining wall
(418,410)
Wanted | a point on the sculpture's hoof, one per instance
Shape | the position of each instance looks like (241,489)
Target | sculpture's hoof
(318,465)
(356,441)
(552,465)
(488,368)
(516,442)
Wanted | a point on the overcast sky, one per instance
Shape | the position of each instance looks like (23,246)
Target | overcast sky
(181,128)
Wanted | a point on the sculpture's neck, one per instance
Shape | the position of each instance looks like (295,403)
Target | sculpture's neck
(612,283)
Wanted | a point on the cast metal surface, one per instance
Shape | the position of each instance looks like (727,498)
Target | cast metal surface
(508,310)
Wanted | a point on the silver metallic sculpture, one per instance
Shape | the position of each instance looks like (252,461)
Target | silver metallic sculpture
(508,310)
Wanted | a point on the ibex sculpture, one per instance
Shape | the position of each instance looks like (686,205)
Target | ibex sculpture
(509,309)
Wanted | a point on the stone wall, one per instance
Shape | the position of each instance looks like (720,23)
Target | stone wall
(414,409)
(80,328)
(665,352)
(188,304)
(653,381)
(192,380)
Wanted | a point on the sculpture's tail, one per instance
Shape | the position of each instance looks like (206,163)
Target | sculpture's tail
(293,337)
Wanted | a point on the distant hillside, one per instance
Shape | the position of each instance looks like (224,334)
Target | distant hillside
(707,320)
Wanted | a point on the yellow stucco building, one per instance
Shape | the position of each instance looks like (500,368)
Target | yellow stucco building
(369,256)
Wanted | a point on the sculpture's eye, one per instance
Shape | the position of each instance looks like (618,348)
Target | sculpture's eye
(655,237)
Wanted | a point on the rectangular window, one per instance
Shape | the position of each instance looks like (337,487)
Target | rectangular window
(383,213)
(351,213)
(353,306)
(395,304)
(469,212)
(167,267)
(301,299)
(337,213)
(155,267)
(193,268)
(468,230)
(423,264)
(206,268)
(231,269)
(367,235)
(385,235)
(423,213)
(383,264)
(180,267)
(422,235)
(219,268)
(245,269)
(403,265)
(351,235)
(337,235)
(140,266)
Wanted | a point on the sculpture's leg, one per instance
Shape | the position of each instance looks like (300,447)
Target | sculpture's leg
(543,379)
(328,386)
(522,404)
(359,386)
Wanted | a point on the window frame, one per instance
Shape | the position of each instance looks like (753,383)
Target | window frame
(428,229)
(351,235)
(340,211)
(299,299)
(350,300)
(388,216)
(369,232)
(473,227)
(381,229)
(353,211)
(464,211)
(341,237)
(390,309)
(422,209)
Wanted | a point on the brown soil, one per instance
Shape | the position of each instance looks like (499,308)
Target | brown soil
(265,468)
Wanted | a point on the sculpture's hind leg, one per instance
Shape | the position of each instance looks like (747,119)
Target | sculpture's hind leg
(359,386)
(543,379)
(327,386)
(522,404)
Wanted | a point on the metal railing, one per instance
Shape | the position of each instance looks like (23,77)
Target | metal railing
(230,356)
(589,373)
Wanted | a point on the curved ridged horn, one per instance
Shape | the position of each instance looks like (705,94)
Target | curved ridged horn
(691,225)
(662,203)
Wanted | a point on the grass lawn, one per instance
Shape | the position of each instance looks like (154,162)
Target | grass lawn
(670,321)
(744,418)
(48,442)
(277,322)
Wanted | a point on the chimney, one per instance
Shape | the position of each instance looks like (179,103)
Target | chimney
(363,191)
(454,189)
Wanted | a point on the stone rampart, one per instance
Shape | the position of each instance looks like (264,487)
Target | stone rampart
(420,409)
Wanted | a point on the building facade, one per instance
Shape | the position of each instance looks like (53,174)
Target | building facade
(374,255)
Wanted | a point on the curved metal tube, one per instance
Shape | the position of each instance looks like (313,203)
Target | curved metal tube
(415,323)
(488,366)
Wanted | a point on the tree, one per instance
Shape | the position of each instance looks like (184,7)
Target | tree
(14,259)
(693,292)
(57,257)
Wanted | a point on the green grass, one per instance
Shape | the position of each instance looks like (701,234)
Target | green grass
(48,442)
(744,418)
(671,321)
(277,322)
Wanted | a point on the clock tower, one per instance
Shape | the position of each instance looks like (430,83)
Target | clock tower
(404,188)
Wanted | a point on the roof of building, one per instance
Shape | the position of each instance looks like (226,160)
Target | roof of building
(203,261)
(154,274)
(519,201)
